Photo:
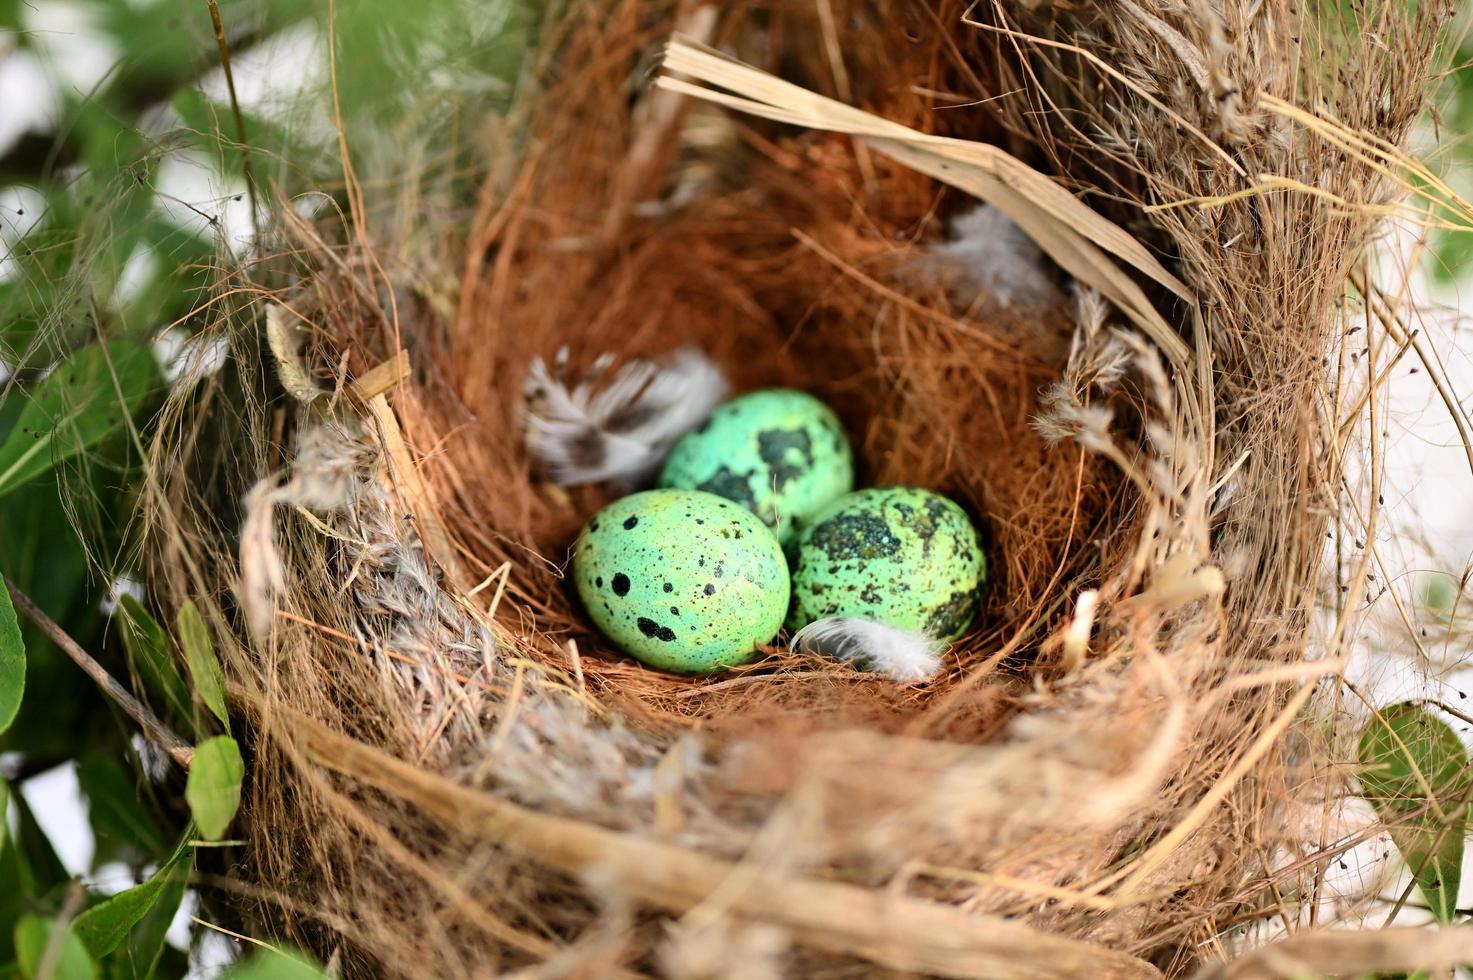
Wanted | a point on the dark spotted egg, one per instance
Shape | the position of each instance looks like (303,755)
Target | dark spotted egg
(780,453)
(682,580)
(900,556)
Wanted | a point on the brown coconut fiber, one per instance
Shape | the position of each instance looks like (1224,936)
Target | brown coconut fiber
(451,774)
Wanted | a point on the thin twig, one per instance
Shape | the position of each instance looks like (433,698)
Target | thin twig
(156,731)
(240,128)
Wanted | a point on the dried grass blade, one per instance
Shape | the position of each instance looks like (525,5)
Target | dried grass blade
(382,377)
(1337,952)
(1073,252)
(410,483)
(1073,234)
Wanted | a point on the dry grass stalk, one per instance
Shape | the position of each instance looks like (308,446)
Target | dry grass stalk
(476,785)
(1343,952)
(893,931)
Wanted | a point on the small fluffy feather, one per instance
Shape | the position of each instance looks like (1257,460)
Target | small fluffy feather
(905,656)
(990,257)
(621,429)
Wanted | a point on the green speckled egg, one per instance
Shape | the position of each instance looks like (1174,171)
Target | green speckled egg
(682,580)
(900,556)
(781,454)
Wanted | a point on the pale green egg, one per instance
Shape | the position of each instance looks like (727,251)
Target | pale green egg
(900,556)
(780,453)
(682,580)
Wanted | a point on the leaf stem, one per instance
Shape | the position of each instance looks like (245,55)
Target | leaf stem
(156,731)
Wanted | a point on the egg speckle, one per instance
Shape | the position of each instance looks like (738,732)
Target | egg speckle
(682,580)
(781,454)
(900,556)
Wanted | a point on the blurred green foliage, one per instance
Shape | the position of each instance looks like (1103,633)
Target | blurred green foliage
(98,258)
(1451,249)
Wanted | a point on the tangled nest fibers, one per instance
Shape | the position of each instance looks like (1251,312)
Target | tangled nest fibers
(452,775)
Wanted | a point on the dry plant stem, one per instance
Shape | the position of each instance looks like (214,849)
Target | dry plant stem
(895,932)
(1073,235)
(1162,849)
(407,477)
(1340,952)
(51,953)
(1436,370)
(464,903)
(237,936)
(240,129)
(382,377)
(155,730)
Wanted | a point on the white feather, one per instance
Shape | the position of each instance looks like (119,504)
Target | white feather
(990,257)
(906,656)
(620,429)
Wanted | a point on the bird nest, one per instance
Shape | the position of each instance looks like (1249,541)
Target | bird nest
(1117,365)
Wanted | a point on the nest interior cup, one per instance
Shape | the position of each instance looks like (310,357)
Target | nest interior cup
(454,774)
(936,395)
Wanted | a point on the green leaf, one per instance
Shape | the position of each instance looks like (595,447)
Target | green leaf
(41,553)
(115,805)
(209,681)
(41,942)
(274,964)
(1415,773)
(16,888)
(374,39)
(1441,594)
(46,869)
(172,964)
(138,957)
(104,926)
(148,647)
(213,788)
(12,660)
(75,407)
